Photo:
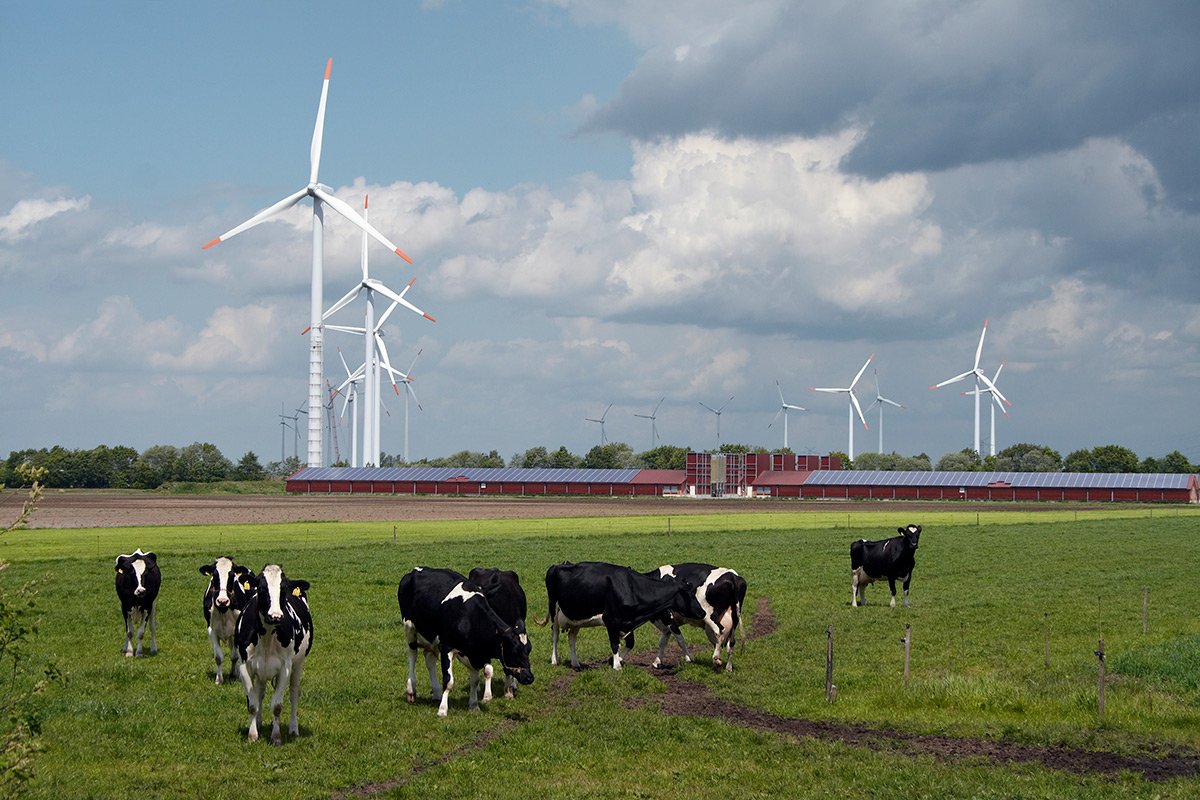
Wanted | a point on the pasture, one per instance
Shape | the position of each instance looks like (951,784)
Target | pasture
(989,590)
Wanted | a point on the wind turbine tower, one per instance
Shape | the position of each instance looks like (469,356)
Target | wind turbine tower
(880,400)
(718,411)
(321,196)
(603,437)
(652,416)
(783,409)
(979,378)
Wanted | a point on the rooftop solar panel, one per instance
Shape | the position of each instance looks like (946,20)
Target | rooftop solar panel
(473,474)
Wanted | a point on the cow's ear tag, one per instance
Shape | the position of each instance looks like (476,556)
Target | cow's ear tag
(120,571)
(296,592)
(246,585)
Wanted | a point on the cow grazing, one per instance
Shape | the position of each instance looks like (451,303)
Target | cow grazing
(720,593)
(274,635)
(592,593)
(228,591)
(506,597)
(447,615)
(892,558)
(138,580)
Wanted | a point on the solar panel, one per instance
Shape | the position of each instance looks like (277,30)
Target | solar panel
(472,474)
(1032,480)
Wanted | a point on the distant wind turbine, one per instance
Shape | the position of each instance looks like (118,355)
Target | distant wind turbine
(718,411)
(880,400)
(783,409)
(853,405)
(995,402)
(979,377)
(321,196)
(653,425)
(603,437)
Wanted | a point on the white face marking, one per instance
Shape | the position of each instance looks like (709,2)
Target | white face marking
(524,639)
(274,575)
(459,591)
(221,573)
(139,570)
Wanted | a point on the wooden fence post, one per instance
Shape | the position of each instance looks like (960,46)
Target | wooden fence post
(1100,655)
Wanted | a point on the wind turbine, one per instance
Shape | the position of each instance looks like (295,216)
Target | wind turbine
(408,392)
(996,402)
(879,401)
(321,196)
(783,409)
(653,425)
(853,405)
(371,419)
(718,411)
(603,438)
(979,376)
(352,379)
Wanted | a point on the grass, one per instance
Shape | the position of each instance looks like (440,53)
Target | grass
(983,591)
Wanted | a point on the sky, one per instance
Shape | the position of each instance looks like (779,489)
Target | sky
(607,202)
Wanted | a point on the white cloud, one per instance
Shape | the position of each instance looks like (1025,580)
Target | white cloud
(26,214)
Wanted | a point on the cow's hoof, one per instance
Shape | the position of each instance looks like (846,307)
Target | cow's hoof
(441,714)
(128,654)
(218,680)
(410,697)
(253,737)
(276,739)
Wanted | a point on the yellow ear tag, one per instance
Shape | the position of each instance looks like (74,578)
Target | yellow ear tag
(120,571)
(296,592)
(246,585)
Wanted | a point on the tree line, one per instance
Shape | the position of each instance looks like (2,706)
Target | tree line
(120,467)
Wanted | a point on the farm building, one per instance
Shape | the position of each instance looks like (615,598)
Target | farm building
(751,475)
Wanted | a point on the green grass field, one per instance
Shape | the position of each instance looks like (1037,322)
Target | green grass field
(986,588)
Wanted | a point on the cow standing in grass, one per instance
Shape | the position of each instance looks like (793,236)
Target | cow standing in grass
(892,559)
(720,593)
(506,597)
(274,635)
(229,590)
(138,580)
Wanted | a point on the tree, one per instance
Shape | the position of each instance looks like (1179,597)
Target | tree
(534,458)
(248,469)
(203,463)
(564,459)
(1025,457)
(614,455)
(1174,463)
(1106,458)
(161,465)
(283,469)
(890,462)
(846,462)
(665,457)
(965,460)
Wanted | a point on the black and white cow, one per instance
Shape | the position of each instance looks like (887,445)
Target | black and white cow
(592,593)
(446,615)
(138,580)
(892,559)
(228,591)
(274,635)
(720,593)
(506,597)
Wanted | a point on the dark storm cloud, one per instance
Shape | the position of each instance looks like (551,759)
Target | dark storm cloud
(935,84)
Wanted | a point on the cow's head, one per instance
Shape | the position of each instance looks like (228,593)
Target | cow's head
(132,570)
(685,603)
(514,655)
(273,588)
(229,583)
(911,534)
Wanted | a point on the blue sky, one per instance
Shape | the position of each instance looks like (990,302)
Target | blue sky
(608,202)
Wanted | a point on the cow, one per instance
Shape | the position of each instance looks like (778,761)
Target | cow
(447,615)
(274,635)
(225,598)
(138,580)
(506,597)
(592,593)
(720,593)
(892,558)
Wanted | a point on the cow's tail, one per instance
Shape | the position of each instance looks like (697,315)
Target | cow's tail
(541,623)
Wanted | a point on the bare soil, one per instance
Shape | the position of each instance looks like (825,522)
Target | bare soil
(82,508)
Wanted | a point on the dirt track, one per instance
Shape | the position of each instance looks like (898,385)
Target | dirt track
(110,509)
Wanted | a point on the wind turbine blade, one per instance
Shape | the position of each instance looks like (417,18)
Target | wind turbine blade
(387,363)
(996,377)
(262,216)
(779,389)
(858,408)
(409,389)
(996,400)
(992,387)
(893,402)
(795,408)
(979,350)
(347,211)
(346,299)
(414,361)
(722,408)
(397,298)
(656,408)
(343,358)
(383,318)
(605,414)
(815,389)
(344,329)
(955,379)
(710,409)
(861,371)
(775,418)
(319,130)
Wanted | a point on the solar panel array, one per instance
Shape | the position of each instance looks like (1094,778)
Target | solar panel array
(471,474)
(1031,480)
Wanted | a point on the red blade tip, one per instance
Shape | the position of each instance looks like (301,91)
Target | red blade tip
(210,244)
(328,67)
(406,258)
(431,319)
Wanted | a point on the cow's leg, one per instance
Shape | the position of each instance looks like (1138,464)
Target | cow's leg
(473,694)
(664,636)
(554,643)
(678,633)
(626,649)
(572,634)
(142,619)
(216,646)
(854,589)
(892,586)
(128,635)
(614,642)
(510,687)
(435,678)
(294,694)
(907,578)
(254,697)
(233,659)
(153,627)
(281,684)
(410,688)
(487,682)
(447,682)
